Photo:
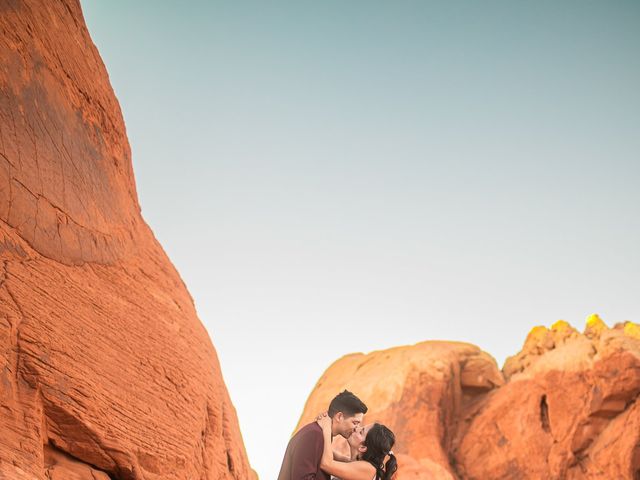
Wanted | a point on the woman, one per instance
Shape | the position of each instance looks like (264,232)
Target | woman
(369,464)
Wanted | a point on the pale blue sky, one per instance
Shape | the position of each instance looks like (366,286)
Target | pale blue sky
(331,177)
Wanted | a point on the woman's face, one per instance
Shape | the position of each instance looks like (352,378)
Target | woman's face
(356,439)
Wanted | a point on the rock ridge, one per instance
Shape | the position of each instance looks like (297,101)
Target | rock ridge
(566,406)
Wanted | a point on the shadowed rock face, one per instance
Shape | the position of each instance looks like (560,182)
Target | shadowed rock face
(106,371)
(565,407)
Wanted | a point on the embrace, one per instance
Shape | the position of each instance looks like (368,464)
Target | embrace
(309,455)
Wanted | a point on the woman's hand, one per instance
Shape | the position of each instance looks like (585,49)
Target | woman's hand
(324,420)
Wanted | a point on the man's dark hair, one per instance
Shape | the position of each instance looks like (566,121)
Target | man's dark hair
(347,403)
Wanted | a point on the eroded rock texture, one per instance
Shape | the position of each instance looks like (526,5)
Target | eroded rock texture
(106,371)
(566,407)
(420,392)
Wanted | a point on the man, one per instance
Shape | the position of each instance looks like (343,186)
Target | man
(303,454)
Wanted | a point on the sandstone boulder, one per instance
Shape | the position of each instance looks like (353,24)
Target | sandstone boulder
(569,410)
(418,391)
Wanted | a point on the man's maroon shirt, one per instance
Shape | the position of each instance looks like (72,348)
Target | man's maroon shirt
(302,458)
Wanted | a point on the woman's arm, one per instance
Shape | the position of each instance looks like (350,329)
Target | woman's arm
(357,470)
(338,457)
(336,454)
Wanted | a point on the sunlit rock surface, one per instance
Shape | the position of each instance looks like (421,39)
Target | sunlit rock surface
(419,391)
(106,371)
(565,407)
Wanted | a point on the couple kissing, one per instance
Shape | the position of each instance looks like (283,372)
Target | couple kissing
(309,454)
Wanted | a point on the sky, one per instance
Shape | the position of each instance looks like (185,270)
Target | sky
(335,177)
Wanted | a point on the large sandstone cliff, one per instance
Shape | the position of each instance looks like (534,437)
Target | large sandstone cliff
(566,407)
(105,370)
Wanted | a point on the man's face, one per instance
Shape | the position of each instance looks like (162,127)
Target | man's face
(356,440)
(346,425)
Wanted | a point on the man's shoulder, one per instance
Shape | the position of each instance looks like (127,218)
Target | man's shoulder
(310,430)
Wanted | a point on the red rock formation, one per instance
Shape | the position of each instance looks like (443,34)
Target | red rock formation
(106,371)
(569,408)
(418,391)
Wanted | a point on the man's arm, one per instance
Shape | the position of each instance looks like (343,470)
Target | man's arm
(306,456)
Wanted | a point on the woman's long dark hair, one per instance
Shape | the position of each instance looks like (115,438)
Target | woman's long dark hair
(379,442)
